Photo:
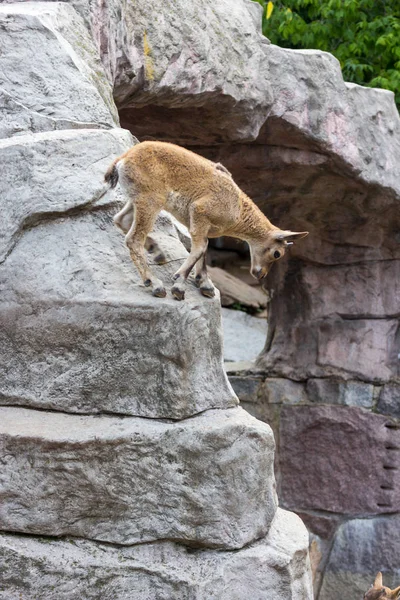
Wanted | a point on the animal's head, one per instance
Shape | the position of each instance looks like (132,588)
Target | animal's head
(266,251)
(379,592)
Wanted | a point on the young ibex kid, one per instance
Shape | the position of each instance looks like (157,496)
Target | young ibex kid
(380,592)
(200,194)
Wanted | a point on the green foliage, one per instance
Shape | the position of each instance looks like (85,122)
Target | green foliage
(364,35)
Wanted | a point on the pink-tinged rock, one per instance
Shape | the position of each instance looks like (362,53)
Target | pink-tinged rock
(342,289)
(337,459)
(303,342)
(367,348)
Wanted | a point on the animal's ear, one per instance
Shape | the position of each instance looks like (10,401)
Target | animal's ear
(395,594)
(378,581)
(289,236)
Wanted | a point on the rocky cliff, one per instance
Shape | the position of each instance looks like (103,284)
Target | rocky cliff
(128,470)
(316,154)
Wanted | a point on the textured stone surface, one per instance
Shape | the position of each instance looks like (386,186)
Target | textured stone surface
(338,459)
(275,566)
(207,481)
(244,335)
(247,389)
(279,391)
(79,331)
(325,159)
(362,547)
(389,400)
(349,393)
(36,96)
(54,172)
(81,334)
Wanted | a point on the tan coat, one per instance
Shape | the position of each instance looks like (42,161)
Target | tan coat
(200,194)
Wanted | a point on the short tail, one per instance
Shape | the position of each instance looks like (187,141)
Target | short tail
(111,177)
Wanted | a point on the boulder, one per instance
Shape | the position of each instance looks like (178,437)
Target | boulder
(361,548)
(36,96)
(339,459)
(276,566)
(206,481)
(80,333)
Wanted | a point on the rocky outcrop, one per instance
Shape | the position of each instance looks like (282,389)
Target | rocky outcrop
(316,154)
(119,430)
(79,568)
(35,96)
(206,481)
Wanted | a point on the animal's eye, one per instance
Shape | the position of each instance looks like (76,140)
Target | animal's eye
(277,254)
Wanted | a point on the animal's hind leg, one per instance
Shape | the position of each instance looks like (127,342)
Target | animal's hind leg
(152,246)
(202,279)
(145,216)
(124,218)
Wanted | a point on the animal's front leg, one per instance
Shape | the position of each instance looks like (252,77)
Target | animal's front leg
(136,239)
(202,279)
(199,227)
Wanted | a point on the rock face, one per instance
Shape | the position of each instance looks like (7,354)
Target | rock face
(119,430)
(206,481)
(274,566)
(316,154)
(336,461)
(36,96)
(316,473)
(244,335)
(362,547)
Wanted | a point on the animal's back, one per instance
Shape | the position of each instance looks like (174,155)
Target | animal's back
(165,165)
(177,177)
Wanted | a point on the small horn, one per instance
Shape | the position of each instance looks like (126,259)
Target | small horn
(289,236)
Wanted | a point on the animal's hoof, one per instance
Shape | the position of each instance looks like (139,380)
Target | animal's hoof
(177,293)
(175,277)
(197,281)
(147,282)
(159,292)
(160,259)
(209,292)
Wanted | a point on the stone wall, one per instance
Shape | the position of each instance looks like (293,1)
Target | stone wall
(127,468)
(337,466)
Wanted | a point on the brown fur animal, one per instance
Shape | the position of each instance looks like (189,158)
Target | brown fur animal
(379,592)
(200,194)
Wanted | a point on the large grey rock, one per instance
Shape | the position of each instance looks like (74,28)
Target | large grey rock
(79,331)
(362,547)
(276,566)
(50,74)
(206,481)
(49,174)
(244,335)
